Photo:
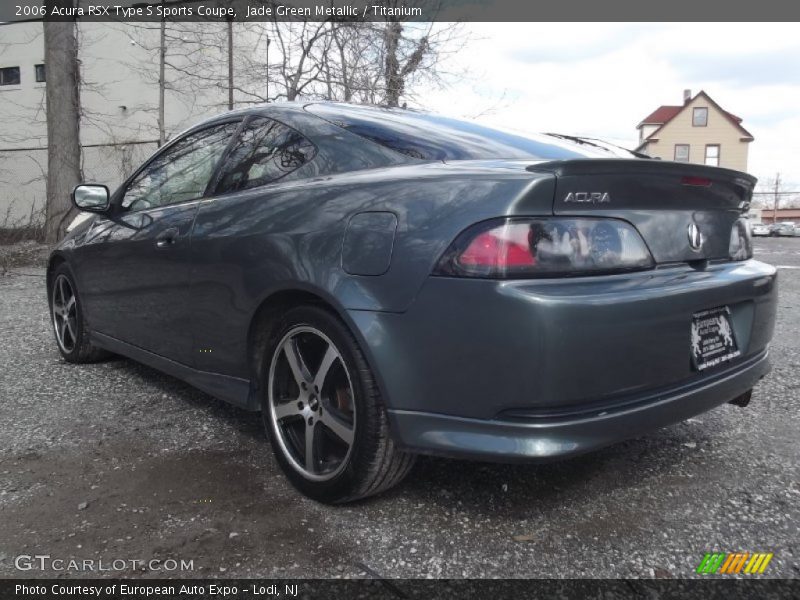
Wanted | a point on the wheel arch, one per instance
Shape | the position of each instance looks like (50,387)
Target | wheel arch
(56,259)
(260,329)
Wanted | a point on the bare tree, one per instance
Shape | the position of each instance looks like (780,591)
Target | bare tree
(395,72)
(369,62)
(354,71)
(163,59)
(388,62)
(303,51)
(63,116)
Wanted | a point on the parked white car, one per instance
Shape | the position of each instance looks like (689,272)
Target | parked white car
(786,228)
(759,229)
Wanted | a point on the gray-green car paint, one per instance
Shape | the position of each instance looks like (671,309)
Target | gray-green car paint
(497,369)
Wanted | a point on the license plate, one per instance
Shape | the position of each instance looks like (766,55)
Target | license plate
(713,340)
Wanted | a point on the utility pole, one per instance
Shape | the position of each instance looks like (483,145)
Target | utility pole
(267,77)
(162,59)
(230,64)
(775,202)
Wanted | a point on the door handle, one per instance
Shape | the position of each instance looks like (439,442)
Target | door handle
(167,237)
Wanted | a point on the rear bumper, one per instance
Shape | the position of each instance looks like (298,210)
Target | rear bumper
(545,368)
(544,439)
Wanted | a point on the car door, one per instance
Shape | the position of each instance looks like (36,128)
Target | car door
(135,264)
(237,236)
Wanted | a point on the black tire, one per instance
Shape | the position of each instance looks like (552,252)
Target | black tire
(80,350)
(373,462)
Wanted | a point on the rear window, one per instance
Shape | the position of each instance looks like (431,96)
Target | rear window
(432,137)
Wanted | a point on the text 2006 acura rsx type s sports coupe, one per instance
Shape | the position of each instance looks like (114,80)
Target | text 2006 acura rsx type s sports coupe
(383,282)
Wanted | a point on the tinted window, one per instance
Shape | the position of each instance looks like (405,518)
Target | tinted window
(182,171)
(432,137)
(265,151)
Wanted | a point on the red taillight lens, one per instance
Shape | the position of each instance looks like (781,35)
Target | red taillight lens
(494,249)
(545,247)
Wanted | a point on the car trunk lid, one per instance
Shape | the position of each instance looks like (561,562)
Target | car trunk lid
(665,201)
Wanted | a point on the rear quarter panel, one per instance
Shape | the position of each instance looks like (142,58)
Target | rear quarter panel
(249,245)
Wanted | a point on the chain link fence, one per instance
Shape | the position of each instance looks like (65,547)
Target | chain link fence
(23,180)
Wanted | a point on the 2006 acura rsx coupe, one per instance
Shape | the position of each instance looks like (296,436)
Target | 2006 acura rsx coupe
(383,282)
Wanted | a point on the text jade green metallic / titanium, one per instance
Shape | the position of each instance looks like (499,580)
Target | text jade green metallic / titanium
(381,283)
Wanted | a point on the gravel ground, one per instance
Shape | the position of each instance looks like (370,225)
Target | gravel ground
(117,461)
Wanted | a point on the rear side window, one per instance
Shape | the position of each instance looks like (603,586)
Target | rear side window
(264,152)
(432,137)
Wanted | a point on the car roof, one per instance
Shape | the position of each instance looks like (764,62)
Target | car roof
(429,135)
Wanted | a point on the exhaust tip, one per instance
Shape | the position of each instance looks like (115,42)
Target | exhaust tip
(742,400)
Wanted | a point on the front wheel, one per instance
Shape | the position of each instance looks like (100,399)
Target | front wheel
(323,412)
(69,323)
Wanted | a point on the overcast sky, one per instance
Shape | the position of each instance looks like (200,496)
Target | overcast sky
(601,80)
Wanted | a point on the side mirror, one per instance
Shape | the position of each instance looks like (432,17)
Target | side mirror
(91,197)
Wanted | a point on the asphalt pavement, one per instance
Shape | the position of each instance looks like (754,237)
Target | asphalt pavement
(117,462)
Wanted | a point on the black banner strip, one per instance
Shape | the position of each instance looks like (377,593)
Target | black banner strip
(402,10)
(731,588)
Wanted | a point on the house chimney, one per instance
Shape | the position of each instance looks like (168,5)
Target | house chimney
(687,95)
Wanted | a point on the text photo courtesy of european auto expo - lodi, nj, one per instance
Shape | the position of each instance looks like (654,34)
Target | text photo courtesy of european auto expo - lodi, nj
(416,299)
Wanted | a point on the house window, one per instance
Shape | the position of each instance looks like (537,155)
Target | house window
(700,116)
(712,155)
(9,76)
(39,73)
(682,152)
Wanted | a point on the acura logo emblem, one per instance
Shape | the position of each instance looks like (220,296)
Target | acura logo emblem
(695,237)
(588,197)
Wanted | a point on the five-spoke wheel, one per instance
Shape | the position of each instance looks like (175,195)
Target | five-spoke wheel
(65,316)
(72,335)
(311,403)
(322,409)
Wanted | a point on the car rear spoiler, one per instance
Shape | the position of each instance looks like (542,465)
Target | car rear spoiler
(633,166)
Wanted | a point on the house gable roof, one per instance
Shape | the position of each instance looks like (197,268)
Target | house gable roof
(664,114)
(660,115)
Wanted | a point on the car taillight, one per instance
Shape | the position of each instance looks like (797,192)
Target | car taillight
(498,249)
(740,246)
(545,247)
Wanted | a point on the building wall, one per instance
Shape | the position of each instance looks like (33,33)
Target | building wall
(781,215)
(733,152)
(646,130)
(119,101)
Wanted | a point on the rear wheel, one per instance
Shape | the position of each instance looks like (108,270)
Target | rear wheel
(323,412)
(69,324)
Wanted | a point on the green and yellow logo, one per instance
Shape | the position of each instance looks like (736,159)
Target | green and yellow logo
(734,563)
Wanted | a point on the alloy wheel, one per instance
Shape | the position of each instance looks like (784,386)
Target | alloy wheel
(311,403)
(65,314)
